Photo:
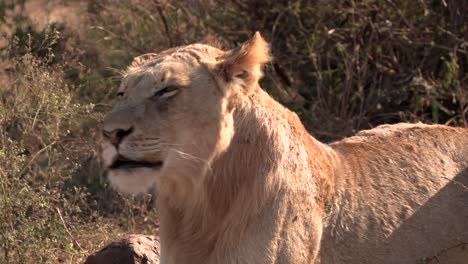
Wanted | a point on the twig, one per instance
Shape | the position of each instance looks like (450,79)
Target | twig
(328,134)
(35,156)
(165,24)
(68,231)
(37,112)
(435,257)
(120,37)
(457,183)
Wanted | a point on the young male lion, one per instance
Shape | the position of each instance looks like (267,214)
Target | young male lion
(239,180)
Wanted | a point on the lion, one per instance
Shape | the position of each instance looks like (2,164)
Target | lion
(238,179)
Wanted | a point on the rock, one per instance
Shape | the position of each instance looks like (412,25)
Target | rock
(134,249)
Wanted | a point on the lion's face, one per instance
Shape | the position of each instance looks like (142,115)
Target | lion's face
(173,116)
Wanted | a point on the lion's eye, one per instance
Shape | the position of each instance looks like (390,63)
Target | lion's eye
(166,92)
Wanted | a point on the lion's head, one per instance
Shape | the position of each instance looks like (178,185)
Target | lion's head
(174,114)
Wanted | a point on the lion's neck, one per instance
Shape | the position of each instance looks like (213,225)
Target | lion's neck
(270,156)
(270,149)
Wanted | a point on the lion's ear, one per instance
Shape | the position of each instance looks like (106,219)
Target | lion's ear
(245,62)
(140,60)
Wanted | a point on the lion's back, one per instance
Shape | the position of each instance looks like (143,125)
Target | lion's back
(401,195)
(413,137)
(418,147)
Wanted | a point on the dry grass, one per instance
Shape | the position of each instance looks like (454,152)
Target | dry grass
(341,65)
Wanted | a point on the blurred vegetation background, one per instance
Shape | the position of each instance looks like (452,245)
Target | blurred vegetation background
(342,66)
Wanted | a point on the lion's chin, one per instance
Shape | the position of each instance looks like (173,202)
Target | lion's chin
(134,180)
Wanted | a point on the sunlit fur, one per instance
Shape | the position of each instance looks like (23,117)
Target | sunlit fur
(243,182)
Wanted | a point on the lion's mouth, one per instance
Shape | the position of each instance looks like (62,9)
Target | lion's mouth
(123,163)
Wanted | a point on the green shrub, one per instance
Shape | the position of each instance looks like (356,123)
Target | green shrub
(42,145)
(52,188)
(45,44)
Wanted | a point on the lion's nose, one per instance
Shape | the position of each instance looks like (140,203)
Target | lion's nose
(117,135)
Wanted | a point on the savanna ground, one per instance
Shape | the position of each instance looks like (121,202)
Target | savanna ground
(341,66)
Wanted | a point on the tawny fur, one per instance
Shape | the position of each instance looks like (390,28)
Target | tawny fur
(243,182)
